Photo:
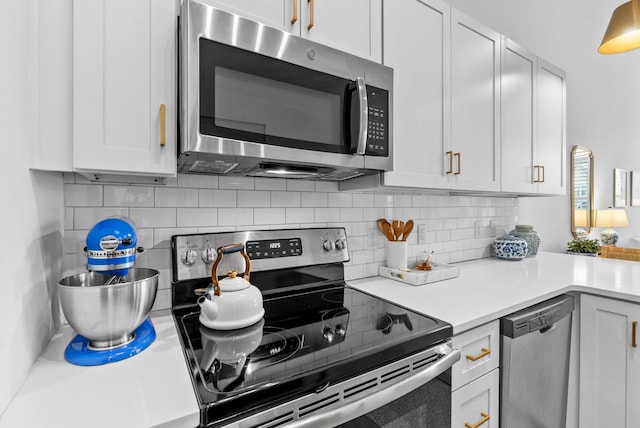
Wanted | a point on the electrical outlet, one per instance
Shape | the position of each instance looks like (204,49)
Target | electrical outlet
(422,234)
(485,229)
(372,239)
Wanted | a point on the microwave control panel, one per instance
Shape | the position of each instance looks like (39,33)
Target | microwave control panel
(378,126)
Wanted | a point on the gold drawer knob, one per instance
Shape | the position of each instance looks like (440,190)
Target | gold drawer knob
(485,418)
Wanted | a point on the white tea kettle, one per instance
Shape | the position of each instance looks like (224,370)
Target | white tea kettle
(232,302)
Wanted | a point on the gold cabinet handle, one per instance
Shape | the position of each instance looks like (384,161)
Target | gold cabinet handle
(536,173)
(450,154)
(634,327)
(485,418)
(295,12)
(163,129)
(541,170)
(484,353)
(310,26)
(459,168)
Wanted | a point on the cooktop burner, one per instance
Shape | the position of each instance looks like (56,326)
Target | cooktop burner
(316,332)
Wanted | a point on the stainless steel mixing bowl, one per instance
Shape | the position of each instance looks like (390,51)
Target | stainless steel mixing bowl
(108,315)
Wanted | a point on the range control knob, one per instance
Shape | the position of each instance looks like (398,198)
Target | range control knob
(340,244)
(327,245)
(208,255)
(189,257)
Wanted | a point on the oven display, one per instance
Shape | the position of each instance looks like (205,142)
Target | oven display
(269,249)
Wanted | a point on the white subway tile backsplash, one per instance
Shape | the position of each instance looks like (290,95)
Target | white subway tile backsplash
(340,200)
(176,197)
(235,216)
(196,217)
(236,183)
(82,195)
(197,181)
(314,199)
(86,218)
(254,198)
(217,198)
(128,196)
(269,215)
(153,217)
(301,185)
(299,215)
(209,204)
(285,199)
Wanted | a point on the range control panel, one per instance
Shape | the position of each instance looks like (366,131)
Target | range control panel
(193,255)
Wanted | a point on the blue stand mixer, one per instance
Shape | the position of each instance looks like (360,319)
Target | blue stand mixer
(108,306)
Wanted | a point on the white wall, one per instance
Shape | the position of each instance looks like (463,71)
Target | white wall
(32,208)
(603,96)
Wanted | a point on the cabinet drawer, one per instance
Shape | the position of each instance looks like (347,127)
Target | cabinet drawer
(480,353)
(476,404)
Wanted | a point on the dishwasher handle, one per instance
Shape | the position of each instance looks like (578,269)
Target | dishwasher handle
(541,317)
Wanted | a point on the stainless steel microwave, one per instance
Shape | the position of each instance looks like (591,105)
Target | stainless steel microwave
(257,101)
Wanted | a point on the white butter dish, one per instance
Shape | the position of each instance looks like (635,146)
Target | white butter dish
(438,272)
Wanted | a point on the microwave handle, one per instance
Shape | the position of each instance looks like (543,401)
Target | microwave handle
(364,116)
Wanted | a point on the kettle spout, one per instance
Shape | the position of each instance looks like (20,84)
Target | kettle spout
(208,307)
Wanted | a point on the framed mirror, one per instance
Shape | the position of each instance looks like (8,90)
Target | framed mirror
(582,213)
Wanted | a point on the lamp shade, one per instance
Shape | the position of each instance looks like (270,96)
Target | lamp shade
(623,32)
(611,218)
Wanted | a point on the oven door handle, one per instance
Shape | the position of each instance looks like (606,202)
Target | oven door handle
(366,404)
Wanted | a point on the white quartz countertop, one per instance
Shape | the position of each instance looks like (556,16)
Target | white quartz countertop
(491,288)
(154,389)
(150,389)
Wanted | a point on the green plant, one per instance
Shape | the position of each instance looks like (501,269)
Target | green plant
(584,246)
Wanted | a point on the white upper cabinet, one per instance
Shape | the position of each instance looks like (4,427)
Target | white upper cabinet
(354,26)
(416,40)
(518,118)
(474,157)
(533,128)
(124,86)
(551,129)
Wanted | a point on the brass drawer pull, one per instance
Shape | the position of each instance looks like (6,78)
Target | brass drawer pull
(459,168)
(484,353)
(536,173)
(542,170)
(163,133)
(295,12)
(485,418)
(450,154)
(634,328)
(310,26)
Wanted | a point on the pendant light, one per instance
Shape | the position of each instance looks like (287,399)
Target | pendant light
(623,32)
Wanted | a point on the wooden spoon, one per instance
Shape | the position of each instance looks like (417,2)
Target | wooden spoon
(408,227)
(385,228)
(394,228)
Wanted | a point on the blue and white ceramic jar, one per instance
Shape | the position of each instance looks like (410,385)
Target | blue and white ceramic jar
(510,247)
(532,237)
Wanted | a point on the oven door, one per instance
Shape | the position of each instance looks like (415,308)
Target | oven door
(420,400)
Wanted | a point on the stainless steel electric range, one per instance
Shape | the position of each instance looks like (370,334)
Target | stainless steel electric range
(323,355)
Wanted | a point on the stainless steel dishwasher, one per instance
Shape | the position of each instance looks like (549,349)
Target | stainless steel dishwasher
(534,365)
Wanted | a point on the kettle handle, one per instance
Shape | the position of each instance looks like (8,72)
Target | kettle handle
(228,249)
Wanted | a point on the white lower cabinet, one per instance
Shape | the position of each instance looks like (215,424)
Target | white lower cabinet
(609,363)
(476,404)
(475,379)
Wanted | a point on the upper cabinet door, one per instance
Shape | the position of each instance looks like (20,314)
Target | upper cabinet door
(124,86)
(475,98)
(416,46)
(518,109)
(354,26)
(551,129)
